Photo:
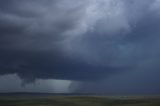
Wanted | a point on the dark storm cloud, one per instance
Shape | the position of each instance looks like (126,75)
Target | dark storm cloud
(32,65)
(76,40)
(30,35)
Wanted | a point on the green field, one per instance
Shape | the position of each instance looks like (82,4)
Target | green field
(78,101)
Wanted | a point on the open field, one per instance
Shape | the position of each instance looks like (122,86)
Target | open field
(78,101)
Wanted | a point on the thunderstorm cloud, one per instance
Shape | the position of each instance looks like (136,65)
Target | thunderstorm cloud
(79,40)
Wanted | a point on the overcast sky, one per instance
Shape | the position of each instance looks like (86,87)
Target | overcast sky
(88,46)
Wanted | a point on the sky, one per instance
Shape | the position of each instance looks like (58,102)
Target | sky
(80,46)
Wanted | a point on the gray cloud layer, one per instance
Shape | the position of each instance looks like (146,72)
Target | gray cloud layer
(78,40)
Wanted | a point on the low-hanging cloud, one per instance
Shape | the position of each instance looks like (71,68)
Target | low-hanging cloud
(77,40)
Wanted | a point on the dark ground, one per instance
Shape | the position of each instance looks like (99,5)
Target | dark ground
(32,100)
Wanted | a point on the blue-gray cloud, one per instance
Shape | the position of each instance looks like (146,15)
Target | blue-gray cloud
(78,40)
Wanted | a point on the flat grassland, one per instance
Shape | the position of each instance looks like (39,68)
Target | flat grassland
(78,101)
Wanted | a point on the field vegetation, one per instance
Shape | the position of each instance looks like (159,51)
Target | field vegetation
(78,101)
